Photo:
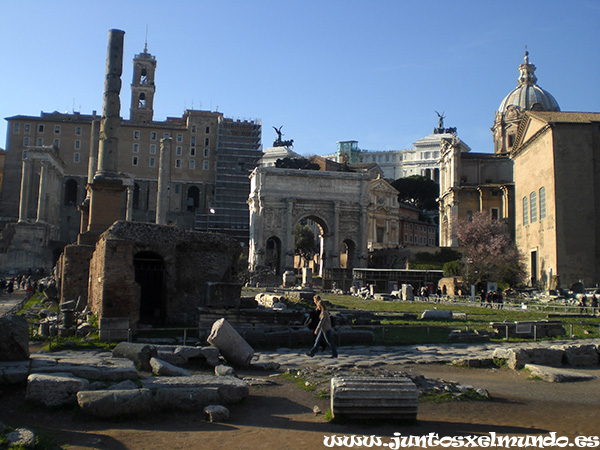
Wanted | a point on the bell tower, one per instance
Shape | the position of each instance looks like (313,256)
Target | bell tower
(142,87)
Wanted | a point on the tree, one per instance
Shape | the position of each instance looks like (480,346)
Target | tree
(489,253)
(296,163)
(304,242)
(418,191)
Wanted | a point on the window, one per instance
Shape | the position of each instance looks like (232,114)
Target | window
(240,167)
(56,129)
(40,142)
(206,152)
(166,135)
(179,137)
(152,149)
(511,140)
(26,141)
(380,232)
(136,148)
(542,195)
(153,135)
(77,145)
(76,157)
(179,150)
(136,134)
(205,165)
(525,211)
(193,151)
(207,130)
(16,127)
(134,161)
(207,141)
(56,143)
(533,206)
(193,128)
(192,164)
(177,189)
(178,164)
(152,161)
(193,140)
(495,215)
(78,131)
(470,216)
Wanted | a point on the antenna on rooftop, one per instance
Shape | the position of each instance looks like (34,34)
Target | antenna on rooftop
(146,40)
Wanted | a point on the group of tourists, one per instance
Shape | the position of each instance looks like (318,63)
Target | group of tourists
(492,299)
(593,304)
(22,282)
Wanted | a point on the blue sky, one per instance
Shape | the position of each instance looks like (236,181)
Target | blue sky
(374,71)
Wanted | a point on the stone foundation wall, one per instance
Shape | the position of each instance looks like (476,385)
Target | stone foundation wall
(73,271)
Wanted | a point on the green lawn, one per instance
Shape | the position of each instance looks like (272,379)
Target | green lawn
(413,331)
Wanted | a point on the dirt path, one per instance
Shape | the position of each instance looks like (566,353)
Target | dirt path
(281,416)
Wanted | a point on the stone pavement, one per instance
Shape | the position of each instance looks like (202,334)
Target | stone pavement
(8,303)
(373,356)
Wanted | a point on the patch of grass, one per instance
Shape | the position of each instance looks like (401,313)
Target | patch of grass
(43,441)
(299,380)
(78,343)
(328,415)
(437,397)
(322,394)
(500,363)
(530,375)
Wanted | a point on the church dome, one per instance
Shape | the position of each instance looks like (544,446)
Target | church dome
(528,95)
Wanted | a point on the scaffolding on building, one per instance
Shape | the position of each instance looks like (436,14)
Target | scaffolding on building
(238,152)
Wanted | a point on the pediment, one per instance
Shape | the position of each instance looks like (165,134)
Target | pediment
(529,128)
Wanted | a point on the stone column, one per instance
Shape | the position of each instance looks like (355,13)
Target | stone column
(41,209)
(94,144)
(256,252)
(26,168)
(107,188)
(129,213)
(111,107)
(335,248)
(164,176)
(288,259)
(362,233)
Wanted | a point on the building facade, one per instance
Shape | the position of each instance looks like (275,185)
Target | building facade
(540,180)
(204,144)
(423,159)
(557,216)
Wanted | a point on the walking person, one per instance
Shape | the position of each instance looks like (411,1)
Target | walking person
(312,322)
(323,329)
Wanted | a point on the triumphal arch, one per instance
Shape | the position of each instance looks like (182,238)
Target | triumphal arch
(281,198)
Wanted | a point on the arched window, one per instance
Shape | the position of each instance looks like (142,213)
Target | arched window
(144,76)
(71,192)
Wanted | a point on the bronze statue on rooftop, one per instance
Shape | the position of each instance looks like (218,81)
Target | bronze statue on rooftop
(279,142)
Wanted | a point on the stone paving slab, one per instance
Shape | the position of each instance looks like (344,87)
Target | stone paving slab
(557,374)
(422,353)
